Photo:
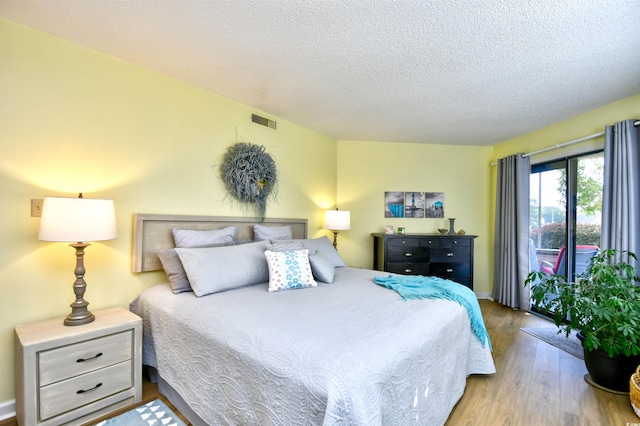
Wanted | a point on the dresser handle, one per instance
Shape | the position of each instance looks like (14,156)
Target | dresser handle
(449,254)
(455,241)
(98,355)
(407,270)
(449,270)
(408,254)
(81,391)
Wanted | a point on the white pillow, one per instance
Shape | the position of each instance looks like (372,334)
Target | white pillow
(262,232)
(215,269)
(289,270)
(204,238)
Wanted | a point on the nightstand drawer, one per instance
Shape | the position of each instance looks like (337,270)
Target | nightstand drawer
(69,394)
(79,358)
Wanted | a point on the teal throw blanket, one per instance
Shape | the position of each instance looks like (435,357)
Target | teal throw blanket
(419,287)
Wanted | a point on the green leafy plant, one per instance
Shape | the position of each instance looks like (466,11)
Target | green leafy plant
(603,303)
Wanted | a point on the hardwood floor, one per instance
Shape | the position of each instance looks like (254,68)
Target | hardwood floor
(535,384)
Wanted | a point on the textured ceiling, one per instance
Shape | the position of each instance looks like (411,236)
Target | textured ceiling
(443,71)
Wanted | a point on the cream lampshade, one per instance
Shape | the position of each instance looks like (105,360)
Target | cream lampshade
(337,220)
(78,220)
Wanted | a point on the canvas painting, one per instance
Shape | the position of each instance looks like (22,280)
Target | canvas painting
(434,202)
(414,204)
(394,204)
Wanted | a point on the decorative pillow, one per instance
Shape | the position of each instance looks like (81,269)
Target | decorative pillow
(204,238)
(215,269)
(289,269)
(321,267)
(262,232)
(325,246)
(285,245)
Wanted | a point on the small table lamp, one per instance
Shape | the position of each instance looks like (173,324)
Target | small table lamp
(337,220)
(76,220)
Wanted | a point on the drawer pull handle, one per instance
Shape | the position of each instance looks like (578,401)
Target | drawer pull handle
(81,391)
(449,270)
(98,355)
(455,241)
(449,254)
(407,270)
(408,254)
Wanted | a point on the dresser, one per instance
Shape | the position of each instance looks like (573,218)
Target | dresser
(445,256)
(73,374)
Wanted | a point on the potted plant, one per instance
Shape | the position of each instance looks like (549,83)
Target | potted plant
(603,304)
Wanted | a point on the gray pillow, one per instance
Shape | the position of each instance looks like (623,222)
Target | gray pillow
(321,267)
(325,246)
(285,245)
(175,272)
(262,232)
(204,238)
(215,269)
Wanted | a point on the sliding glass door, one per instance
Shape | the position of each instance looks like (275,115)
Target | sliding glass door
(565,213)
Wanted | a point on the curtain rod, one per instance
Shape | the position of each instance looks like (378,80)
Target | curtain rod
(571,142)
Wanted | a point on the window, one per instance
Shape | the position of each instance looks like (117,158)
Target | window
(565,213)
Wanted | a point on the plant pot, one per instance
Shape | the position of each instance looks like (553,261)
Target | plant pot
(609,372)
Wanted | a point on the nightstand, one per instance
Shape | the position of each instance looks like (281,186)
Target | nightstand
(73,374)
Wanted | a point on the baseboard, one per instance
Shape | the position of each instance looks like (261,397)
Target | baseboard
(7,410)
(484,296)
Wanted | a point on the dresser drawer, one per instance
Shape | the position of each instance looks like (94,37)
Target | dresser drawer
(458,272)
(79,358)
(450,254)
(455,242)
(406,250)
(408,268)
(69,394)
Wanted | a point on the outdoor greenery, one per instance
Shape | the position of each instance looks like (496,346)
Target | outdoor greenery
(603,303)
(589,193)
(553,235)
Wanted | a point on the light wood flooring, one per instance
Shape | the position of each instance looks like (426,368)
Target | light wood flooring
(535,384)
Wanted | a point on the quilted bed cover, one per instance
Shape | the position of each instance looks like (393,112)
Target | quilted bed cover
(347,353)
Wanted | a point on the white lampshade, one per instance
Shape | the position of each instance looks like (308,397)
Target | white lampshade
(77,220)
(337,220)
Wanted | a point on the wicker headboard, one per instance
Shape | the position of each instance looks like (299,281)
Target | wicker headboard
(152,232)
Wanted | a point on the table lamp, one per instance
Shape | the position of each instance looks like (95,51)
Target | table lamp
(78,220)
(337,220)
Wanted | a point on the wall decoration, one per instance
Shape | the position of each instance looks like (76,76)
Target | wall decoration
(434,204)
(414,204)
(394,204)
(249,175)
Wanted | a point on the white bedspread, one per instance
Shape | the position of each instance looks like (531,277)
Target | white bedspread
(347,353)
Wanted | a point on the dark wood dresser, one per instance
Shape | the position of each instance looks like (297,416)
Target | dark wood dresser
(445,256)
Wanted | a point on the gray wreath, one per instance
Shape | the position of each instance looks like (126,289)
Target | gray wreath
(249,175)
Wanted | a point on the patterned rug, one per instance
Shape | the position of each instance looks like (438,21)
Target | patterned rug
(569,344)
(154,413)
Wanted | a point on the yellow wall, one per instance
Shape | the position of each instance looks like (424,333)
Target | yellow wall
(73,120)
(367,169)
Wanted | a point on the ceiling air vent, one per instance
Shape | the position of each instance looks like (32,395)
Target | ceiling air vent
(263,121)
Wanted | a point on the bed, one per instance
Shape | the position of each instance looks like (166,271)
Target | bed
(349,352)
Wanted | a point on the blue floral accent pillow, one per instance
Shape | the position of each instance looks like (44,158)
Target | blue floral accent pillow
(289,270)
